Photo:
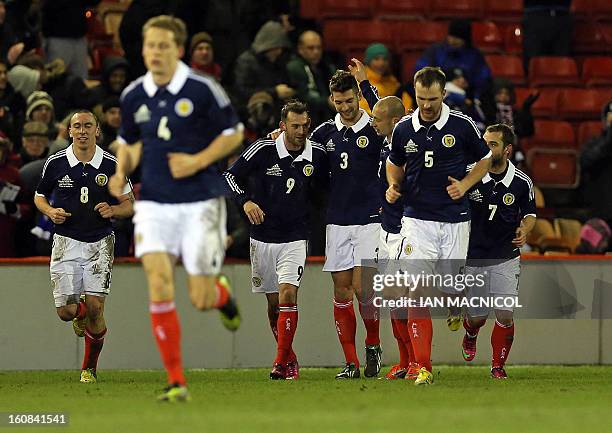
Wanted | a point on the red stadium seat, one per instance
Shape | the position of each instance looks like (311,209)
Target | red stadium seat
(553,71)
(597,71)
(510,67)
(418,35)
(551,134)
(503,10)
(581,9)
(606,30)
(545,106)
(513,39)
(588,130)
(601,9)
(402,9)
(345,8)
(409,59)
(344,35)
(456,9)
(487,37)
(309,9)
(587,37)
(577,104)
(554,168)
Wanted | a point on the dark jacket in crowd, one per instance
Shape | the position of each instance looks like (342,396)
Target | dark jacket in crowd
(66,18)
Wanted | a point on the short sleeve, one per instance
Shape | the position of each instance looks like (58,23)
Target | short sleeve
(527,201)
(476,147)
(46,184)
(397,155)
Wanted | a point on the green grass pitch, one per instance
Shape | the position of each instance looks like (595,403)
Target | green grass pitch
(463,399)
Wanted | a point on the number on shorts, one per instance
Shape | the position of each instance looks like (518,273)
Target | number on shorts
(429,158)
(344,157)
(379,168)
(290,184)
(493,209)
(300,272)
(84,194)
(163,131)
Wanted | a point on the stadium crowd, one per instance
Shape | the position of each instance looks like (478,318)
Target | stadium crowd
(51,65)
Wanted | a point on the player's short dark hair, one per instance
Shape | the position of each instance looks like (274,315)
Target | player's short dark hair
(430,75)
(82,111)
(508,136)
(293,106)
(342,81)
(175,25)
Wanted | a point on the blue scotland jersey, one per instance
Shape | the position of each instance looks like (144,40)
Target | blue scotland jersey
(431,154)
(391,216)
(77,188)
(185,116)
(353,153)
(282,186)
(498,206)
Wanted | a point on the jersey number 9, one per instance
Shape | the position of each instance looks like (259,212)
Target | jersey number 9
(290,184)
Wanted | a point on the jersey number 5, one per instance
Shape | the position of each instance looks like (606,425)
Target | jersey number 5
(163,131)
(429,158)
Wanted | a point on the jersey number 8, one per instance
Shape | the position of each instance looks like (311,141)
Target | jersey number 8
(84,194)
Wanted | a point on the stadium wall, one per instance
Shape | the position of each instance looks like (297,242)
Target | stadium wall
(574,328)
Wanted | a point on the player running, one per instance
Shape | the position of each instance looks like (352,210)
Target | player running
(179,124)
(285,174)
(73,193)
(503,214)
(353,219)
(430,149)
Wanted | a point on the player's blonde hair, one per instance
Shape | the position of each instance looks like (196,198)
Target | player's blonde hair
(167,22)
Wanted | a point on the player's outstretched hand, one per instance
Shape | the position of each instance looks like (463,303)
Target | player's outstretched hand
(254,212)
(358,71)
(393,193)
(58,215)
(274,134)
(521,237)
(455,190)
(116,184)
(106,210)
(183,164)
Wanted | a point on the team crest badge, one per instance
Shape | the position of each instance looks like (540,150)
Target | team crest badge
(448,140)
(408,249)
(508,199)
(308,170)
(256,281)
(101,179)
(183,107)
(363,142)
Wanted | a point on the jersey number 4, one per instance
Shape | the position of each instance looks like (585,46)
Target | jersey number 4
(163,131)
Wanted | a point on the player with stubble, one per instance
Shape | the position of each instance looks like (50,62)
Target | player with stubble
(177,125)
(73,194)
(430,151)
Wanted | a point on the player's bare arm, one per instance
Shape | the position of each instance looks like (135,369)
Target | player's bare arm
(124,209)
(185,164)
(55,214)
(253,212)
(395,175)
(458,188)
(523,230)
(128,158)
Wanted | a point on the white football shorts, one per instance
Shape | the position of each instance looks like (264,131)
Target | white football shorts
(500,281)
(275,264)
(347,246)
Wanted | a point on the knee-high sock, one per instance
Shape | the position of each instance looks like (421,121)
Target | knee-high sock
(273,320)
(501,342)
(93,347)
(287,325)
(167,332)
(420,331)
(471,330)
(370,316)
(346,325)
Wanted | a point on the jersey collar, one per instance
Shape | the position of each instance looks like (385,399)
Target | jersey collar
(507,180)
(416,123)
(283,152)
(176,83)
(95,161)
(361,123)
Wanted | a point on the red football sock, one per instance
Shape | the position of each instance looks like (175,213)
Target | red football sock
(273,319)
(81,310)
(370,316)
(400,332)
(93,347)
(287,325)
(501,341)
(222,294)
(420,331)
(167,332)
(470,329)
(346,325)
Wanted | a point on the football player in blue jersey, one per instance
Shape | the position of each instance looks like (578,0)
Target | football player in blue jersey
(177,125)
(285,174)
(503,214)
(353,219)
(73,193)
(430,151)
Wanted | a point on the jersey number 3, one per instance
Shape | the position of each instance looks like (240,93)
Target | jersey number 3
(163,131)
